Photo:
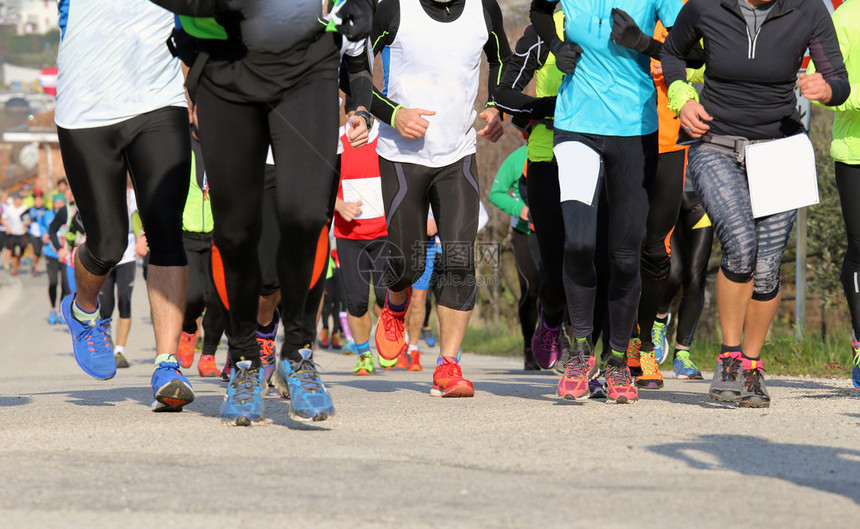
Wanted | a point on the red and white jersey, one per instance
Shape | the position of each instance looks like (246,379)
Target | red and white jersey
(360,181)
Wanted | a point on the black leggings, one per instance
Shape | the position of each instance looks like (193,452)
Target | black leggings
(545,207)
(155,149)
(201,293)
(56,275)
(848,183)
(362,262)
(527,271)
(627,171)
(691,250)
(302,128)
(333,302)
(664,203)
(120,277)
(452,191)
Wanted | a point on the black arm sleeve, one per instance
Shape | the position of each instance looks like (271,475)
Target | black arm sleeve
(529,54)
(357,79)
(497,49)
(385,25)
(60,218)
(541,17)
(680,42)
(825,53)
(193,8)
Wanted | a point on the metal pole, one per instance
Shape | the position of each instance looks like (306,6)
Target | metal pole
(800,278)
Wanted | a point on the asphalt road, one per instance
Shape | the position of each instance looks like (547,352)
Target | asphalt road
(76,452)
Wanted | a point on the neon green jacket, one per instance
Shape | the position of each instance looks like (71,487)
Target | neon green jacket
(507,179)
(197,215)
(846,122)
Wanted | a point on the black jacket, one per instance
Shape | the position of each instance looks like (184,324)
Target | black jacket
(750,79)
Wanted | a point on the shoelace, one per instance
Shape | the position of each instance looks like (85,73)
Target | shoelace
(391,324)
(752,378)
(244,384)
(685,359)
(619,376)
(633,348)
(267,350)
(575,367)
(730,368)
(549,338)
(857,358)
(306,373)
(451,370)
(648,363)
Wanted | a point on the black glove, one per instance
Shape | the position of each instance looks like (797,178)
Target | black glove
(626,33)
(357,19)
(566,55)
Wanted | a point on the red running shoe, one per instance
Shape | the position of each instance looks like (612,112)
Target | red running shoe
(414,361)
(206,366)
(448,381)
(186,349)
(402,359)
(619,385)
(323,340)
(391,333)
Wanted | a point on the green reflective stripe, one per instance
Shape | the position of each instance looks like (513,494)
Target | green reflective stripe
(499,57)
(203,28)
(197,215)
(384,33)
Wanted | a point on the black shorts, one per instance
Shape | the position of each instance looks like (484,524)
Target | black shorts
(16,244)
(37,245)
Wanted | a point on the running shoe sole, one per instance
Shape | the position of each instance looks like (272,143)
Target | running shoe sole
(245,421)
(621,400)
(685,377)
(754,403)
(321,416)
(725,396)
(362,373)
(458,391)
(172,396)
(649,384)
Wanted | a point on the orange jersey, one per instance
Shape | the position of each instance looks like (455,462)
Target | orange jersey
(670,125)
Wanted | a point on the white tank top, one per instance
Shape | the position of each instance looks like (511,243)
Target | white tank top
(114,63)
(435,66)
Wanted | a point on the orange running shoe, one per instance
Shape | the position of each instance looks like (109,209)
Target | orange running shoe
(402,358)
(323,340)
(651,377)
(206,366)
(414,361)
(448,380)
(391,333)
(633,357)
(336,340)
(186,349)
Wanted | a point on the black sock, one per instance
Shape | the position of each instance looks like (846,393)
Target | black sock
(729,348)
(618,359)
(664,320)
(267,329)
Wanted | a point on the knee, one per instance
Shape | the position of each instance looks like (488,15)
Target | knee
(766,282)
(357,308)
(101,259)
(739,257)
(655,261)
(624,266)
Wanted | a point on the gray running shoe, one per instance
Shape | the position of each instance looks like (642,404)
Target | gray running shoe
(566,353)
(727,383)
(753,392)
(120,360)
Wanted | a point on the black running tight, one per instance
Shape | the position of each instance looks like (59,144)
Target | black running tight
(527,271)
(691,250)
(56,276)
(545,208)
(848,183)
(302,127)
(664,202)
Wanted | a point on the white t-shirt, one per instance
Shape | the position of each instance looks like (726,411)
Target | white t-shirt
(12,217)
(114,63)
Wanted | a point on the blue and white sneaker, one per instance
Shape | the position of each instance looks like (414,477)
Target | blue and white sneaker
(855,372)
(170,389)
(52,317)
(683,367)
(658,338)
(309,399)
(243,403)
(91,343)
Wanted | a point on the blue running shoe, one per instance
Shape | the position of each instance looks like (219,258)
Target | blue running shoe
(683,367)
(243,403)
(52,318)
(855,372)
(91,343)
(170,389)
(309,399)
(658,338)
(427,334)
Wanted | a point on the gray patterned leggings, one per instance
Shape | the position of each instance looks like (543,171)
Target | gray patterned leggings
(752,248)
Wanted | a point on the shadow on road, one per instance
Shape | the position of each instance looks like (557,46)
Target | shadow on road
(6,401)
(835,470)
(105,397)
